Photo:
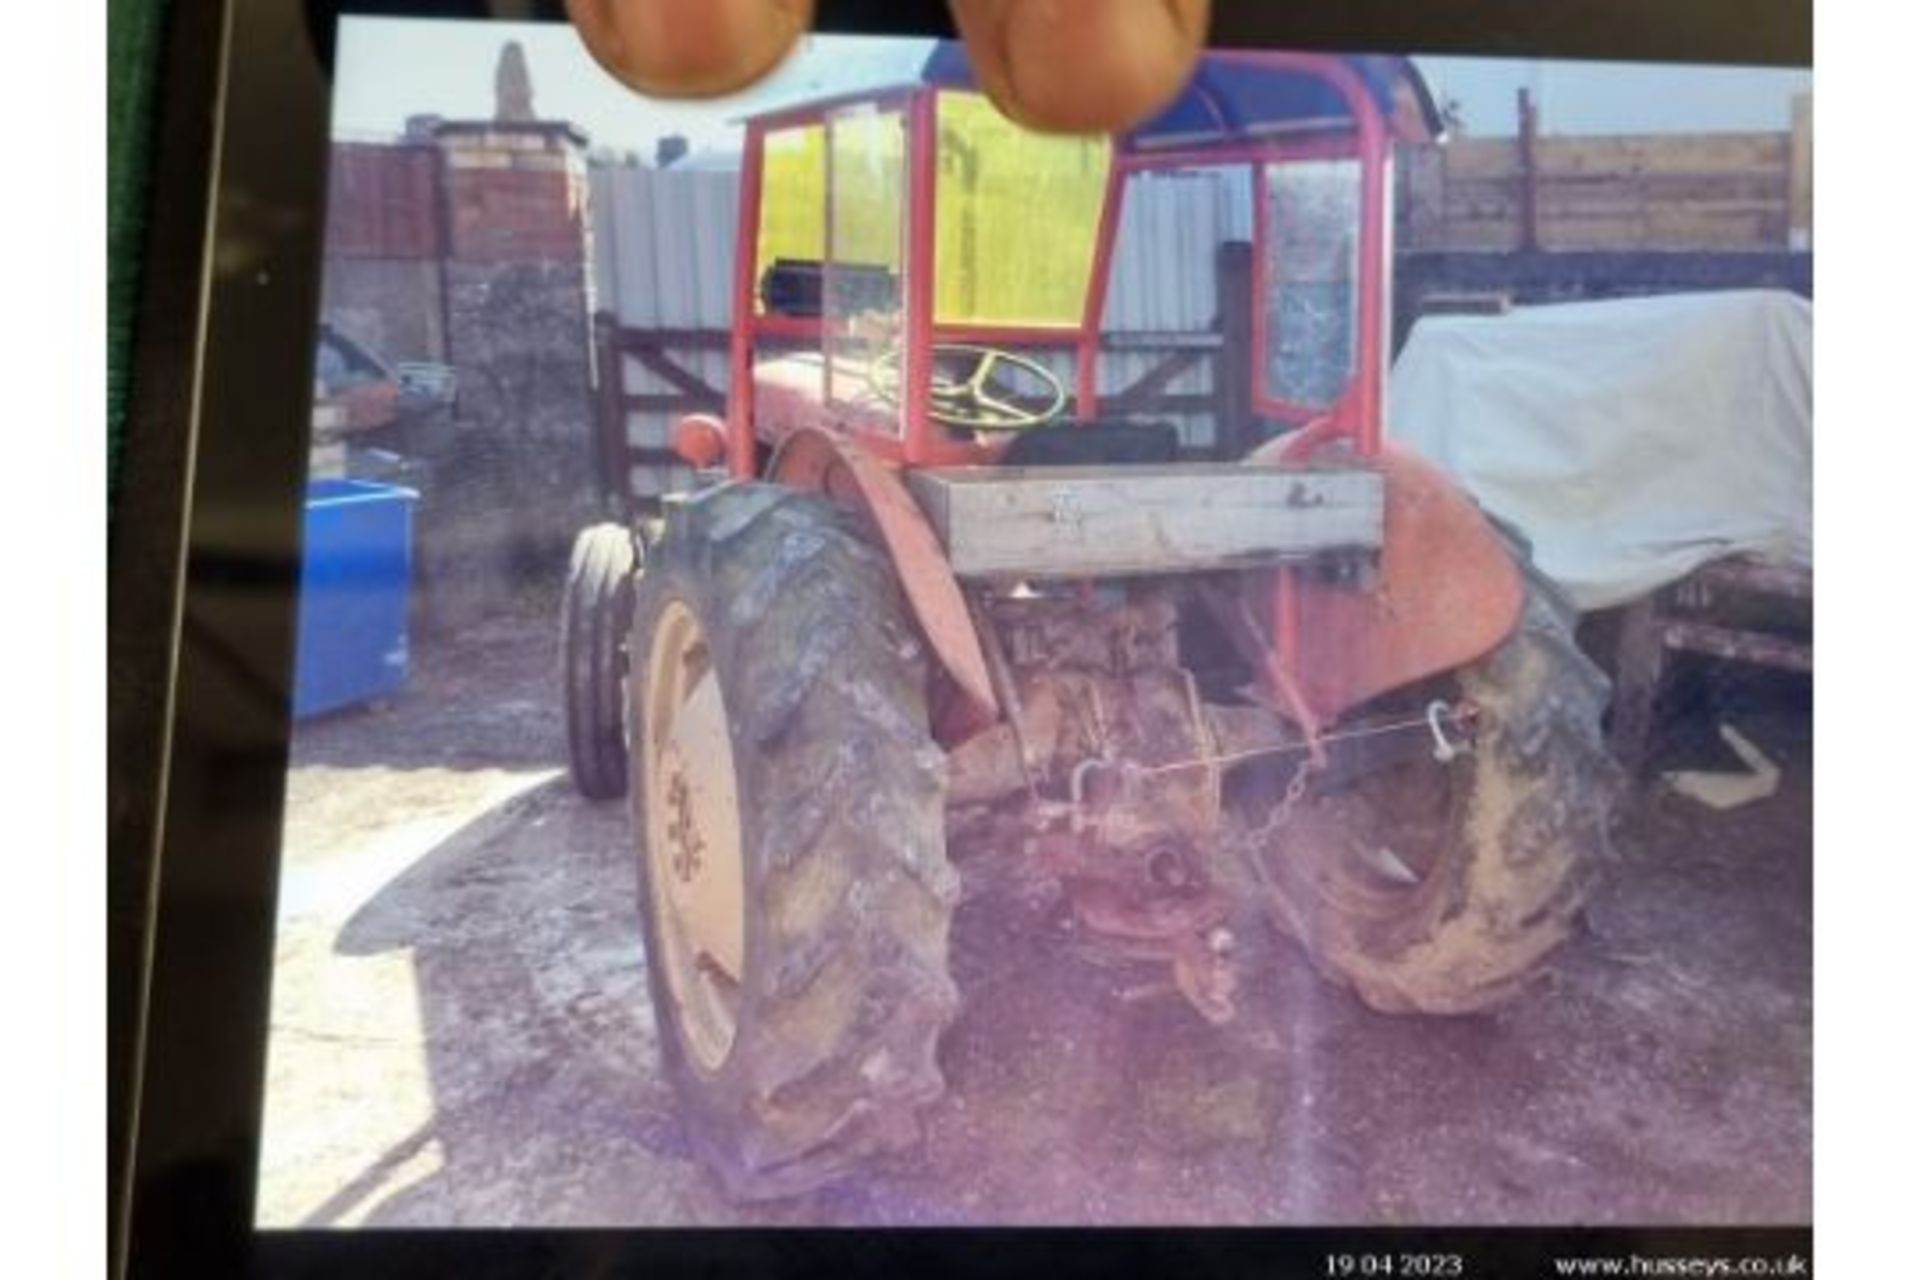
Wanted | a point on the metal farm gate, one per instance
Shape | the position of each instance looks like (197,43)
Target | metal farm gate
(663,262)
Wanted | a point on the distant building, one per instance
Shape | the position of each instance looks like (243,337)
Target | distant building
(513,86)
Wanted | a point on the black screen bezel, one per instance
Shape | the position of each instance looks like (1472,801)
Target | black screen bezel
(203,576)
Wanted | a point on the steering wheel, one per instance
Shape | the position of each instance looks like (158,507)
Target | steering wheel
(972,403)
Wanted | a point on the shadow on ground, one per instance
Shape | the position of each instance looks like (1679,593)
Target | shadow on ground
(486,697)
(1662,1074)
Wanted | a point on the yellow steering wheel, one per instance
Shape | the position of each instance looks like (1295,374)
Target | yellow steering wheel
(972,403)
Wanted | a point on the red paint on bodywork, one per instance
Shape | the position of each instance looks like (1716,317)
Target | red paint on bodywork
(1447,589)
(789,396)
(1447,592)
(820,462)
(700,439)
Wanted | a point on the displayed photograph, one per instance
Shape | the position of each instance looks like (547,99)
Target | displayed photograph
(863,665)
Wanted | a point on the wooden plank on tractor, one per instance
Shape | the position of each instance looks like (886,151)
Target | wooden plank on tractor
(1099,521)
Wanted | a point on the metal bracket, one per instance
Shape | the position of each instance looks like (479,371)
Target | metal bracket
(1445,750)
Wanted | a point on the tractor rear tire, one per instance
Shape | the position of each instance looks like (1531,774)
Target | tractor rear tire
(1522,830)
(838,817)
(595,615)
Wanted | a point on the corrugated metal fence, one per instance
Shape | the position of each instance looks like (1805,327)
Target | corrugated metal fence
(663,262)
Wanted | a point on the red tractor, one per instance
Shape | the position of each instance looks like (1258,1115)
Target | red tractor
(937,617)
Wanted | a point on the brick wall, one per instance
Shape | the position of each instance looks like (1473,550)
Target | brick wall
(517,479)
(381,201)
(389,305)
(500,215)
(472,249)
(514,194)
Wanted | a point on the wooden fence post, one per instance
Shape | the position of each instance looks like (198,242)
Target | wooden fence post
(609,416)
(1800,175)
(1233,371)
(1529,175)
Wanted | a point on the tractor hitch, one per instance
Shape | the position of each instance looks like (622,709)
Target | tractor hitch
(1154,905)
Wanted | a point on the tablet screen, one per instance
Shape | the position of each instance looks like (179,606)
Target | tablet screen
(1273,685)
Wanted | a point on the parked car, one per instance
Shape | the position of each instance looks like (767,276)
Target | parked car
(357,390)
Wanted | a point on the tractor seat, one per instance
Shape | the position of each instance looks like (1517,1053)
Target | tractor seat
(1071,442)
(797,287)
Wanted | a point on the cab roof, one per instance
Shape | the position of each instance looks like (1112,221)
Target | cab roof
(1235,97)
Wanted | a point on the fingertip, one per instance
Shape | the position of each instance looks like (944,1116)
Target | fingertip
(690,48)
(1082,66)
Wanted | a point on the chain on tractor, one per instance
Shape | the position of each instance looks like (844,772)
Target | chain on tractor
(1101,792)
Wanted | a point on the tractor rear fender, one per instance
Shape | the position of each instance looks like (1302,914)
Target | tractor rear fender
(840,469)
(1447,592)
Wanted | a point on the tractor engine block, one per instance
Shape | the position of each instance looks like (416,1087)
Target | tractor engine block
(1102,718)
(1101,787)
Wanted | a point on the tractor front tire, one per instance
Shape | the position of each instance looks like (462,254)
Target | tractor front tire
(1521,831)
(804,1043)
(595,615)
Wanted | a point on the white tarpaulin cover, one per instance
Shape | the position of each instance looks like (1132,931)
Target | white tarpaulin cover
(1632,441)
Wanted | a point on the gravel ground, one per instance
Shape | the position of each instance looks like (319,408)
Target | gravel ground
(461,1031)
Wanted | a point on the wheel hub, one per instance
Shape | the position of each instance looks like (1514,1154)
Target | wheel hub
(692,834)
(683,831)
